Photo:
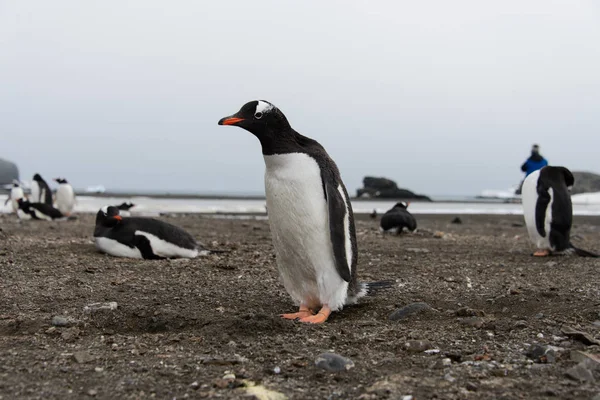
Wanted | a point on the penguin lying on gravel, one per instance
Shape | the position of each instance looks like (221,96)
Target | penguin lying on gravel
(397,219)
(40,211)
(139,237)
(310,216)
(548,211)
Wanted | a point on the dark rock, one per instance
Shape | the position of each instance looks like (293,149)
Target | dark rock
(386,189)
(582,337)
(542,354)
(469,312)
(456,220)
(408,310)
(333,363)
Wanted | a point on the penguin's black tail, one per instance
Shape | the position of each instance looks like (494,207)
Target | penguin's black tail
(372,288)
(583,253)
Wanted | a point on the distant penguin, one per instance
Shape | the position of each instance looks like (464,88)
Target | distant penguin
(40,211)
(40,191)
(124,209)
(397,219)
(139,237)
(16,193)
(310,216)
(548,210)
(65,196)
(373,215)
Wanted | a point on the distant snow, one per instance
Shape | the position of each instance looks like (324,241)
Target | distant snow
(586,198)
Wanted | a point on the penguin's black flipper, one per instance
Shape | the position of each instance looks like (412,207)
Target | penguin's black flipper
(583,253)
(144,246)
(338,212)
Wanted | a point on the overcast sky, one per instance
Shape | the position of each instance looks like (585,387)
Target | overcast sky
(445,97)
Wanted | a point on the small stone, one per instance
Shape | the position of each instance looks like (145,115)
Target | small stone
(195,385)
(407,397)
(333,363)
(417,346)
(276,370)
(58,320)
(98,369)
(551,264)
(540,335)
(439,235)
(92,392)
(521,324)
(456,220)
(408,310)
(82,357)
(471,387)
(432,351)
(446,362)
(475,322)
(580,373)
(469,312)
(94,307)
(417,250)
(229,377)
(542,354)
(70,334)
(449,378)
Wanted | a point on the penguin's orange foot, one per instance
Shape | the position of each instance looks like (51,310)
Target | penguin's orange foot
(303,312)
(319,318)
(542,253)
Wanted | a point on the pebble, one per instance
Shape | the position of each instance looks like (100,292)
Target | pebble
(58,320)
(471,387)
(417,250)
(408,310)
(475,322)
(439,235)
(456,220)
(542,354)
(469,312)
(82,357)
(418,346)
(92,392)
(98,369)
(195,385)
(276,370)
(521,324)
(333,362)
(90,308)
(229,377)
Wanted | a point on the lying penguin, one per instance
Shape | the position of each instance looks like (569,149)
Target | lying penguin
(397,219)
(139,237)
(39,211)
(124,209)
(310,216)
(548,211)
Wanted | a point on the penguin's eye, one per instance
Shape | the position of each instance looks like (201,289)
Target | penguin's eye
(258,115)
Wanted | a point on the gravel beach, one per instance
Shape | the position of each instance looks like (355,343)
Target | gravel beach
(490,320)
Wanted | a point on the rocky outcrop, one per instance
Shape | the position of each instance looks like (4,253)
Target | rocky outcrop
(586,182)
(384,188)
(8,172)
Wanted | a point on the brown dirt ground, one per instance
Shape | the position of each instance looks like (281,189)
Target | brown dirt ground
(180,322)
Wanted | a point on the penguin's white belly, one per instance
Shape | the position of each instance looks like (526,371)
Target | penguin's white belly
(114,248)
(529,197)
(41,215)
(16,194)
(65,199)
(35,192)
(23,215)
(299,221)
(166,249)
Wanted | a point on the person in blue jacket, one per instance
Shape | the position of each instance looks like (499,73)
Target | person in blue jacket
(534,162)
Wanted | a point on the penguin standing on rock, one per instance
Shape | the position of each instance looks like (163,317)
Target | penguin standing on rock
(40,191)
(397,219)
(548,211)
(65,196)
(310,216)
(39,211)
(146,238)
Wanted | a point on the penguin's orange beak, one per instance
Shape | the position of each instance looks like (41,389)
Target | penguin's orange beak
(118,217)
(230,120)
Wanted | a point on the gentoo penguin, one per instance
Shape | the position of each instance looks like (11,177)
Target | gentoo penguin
(397,219)
(548,210)
(40,191)
(310,215)
(146,238)
(124,209)
(65,196)
(16,193)
(39,211)
(373,215)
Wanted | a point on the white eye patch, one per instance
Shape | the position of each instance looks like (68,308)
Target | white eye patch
(104,209)
(263,107)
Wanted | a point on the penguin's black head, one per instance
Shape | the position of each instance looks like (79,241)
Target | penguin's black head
(60,180)
(37,177)
(108,216)
(23,204)
(259,117)
(16,183)
(404,205)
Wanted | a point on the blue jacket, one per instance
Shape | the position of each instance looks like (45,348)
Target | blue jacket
(533,163)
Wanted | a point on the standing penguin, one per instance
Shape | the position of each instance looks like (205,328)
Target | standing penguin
(16,193)
(39,211)
(40,191)
(548,210)
(310,215)
(146,238)
(65,196)
(398,218)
